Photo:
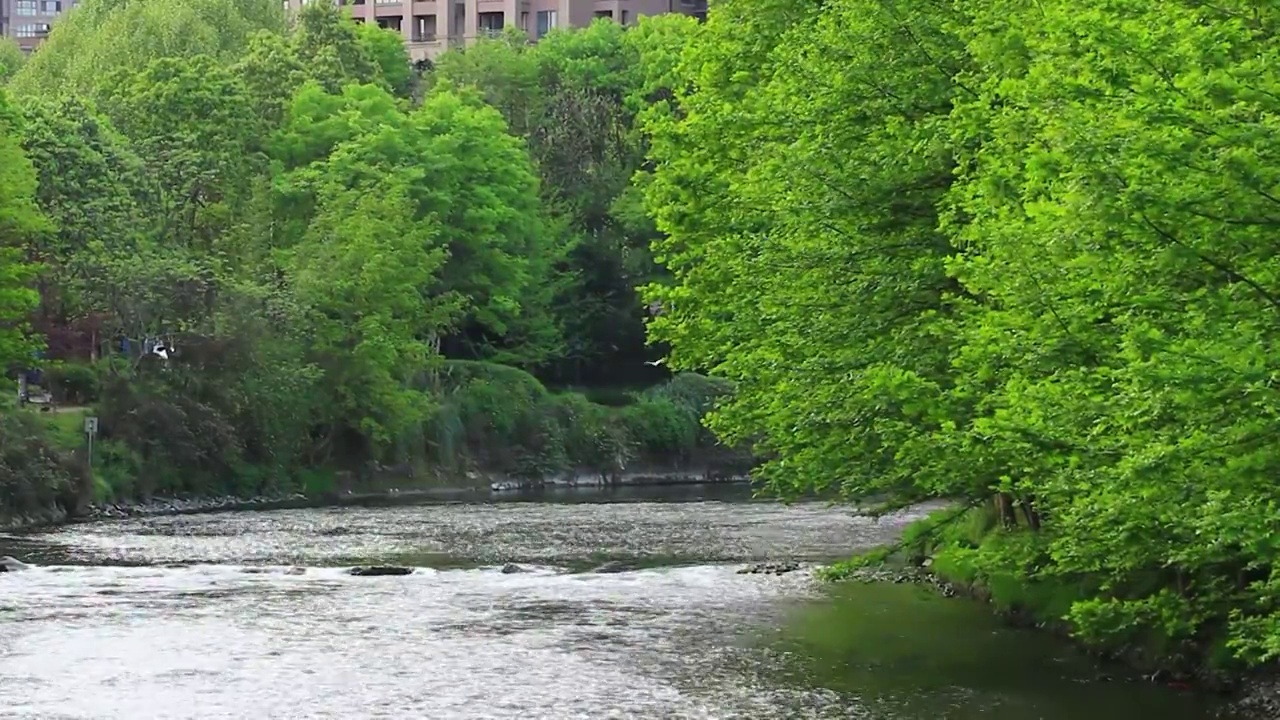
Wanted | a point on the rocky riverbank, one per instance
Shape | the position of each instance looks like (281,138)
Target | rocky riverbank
(688,477)
(1255,698)
(476,487)
(182,506)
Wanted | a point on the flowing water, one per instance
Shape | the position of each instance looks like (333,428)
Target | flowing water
(198,616)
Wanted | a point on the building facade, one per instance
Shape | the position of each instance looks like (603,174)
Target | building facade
(429,27)
(29,21)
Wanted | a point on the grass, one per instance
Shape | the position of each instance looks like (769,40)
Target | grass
(65,426)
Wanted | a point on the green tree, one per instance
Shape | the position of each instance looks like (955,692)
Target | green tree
(20,219)
(465,171)
(192,123)
(1118,198)
(332,48)
(363,271)
(101,37)
(11,59)
(387,51)
(798,187)
(94,189)
(573,98)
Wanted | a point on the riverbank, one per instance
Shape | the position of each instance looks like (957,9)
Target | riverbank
(497,489)
(498,431)
(711,588)
(944,553)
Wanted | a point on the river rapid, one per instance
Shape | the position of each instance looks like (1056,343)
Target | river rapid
(205,616)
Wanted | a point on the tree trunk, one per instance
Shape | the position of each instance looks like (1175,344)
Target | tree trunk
(1005,511)
(1029,510)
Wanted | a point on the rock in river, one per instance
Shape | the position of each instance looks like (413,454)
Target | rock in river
(511,568)
(377,570)
(615,566)
(11,564)
(770,568)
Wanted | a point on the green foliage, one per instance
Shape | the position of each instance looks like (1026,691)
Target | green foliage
(73,383)
(386,49)
(502,418)
(34,476)
(997,250)
(574,98)
(347,264)
(20,221)
(11,59)
(101,37)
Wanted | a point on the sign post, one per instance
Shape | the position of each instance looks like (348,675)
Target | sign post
(90,429)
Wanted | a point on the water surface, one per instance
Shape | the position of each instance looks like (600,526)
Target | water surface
(197,617)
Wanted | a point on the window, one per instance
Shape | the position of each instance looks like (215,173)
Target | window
(37,30)
(424,27)
(386,2)
(624,17)
(524,21)
(26,7)
(52,7)
(390,23)
(546,21)
(491,23)
(607,14)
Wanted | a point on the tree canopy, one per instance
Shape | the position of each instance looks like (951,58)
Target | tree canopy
(1004,253)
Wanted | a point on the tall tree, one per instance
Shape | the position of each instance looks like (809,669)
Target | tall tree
(100,37)
(11,59)
(798,186)
(20,220)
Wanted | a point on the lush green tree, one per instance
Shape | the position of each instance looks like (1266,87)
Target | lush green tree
(271,73)
(387,51)
(11,59)
(1118,203)
(814,279)
(998,250)
(95,190)
(466,172)
(101,37)
(573,97)
(363,271)
(20,219)
(192,122)
(333,49)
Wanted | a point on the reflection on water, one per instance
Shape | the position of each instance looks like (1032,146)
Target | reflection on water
(110,629)
(907,652)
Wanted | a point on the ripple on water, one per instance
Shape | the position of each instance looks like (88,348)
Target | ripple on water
(119,632)
(449,644)
(462,534)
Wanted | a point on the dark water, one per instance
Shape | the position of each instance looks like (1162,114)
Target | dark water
(106,628)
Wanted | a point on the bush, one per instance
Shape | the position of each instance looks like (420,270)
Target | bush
(503,419)
(34,474)
(661,427)
(73,383)
(182,445)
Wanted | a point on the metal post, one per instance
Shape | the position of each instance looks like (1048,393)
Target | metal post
(90,429)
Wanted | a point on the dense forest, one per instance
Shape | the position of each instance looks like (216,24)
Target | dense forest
(1011,254)
(269,253)
(1017,254)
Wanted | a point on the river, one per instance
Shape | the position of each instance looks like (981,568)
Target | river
(196,616)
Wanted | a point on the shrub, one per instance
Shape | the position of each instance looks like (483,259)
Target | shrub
(34,474)
(73,383)
(661,427)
